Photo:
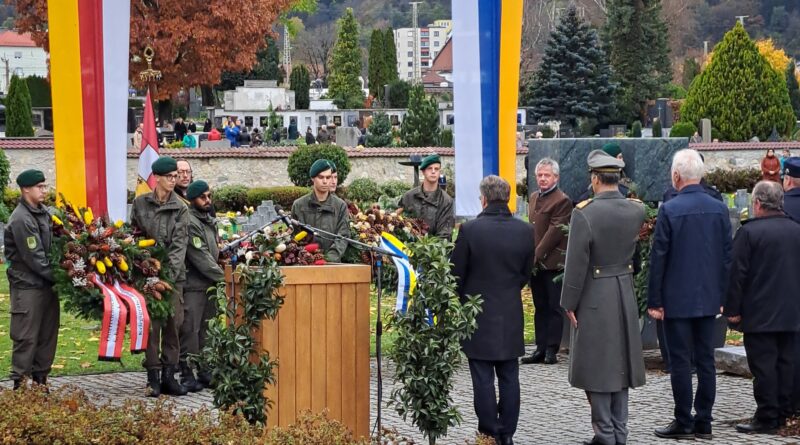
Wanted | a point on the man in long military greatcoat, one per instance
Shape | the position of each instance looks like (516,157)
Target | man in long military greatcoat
(598,296)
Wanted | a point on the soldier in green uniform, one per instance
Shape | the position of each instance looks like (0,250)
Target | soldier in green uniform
(323,210)
(429,202)
(202,272)
(162,216)
(599,299)
(35,311)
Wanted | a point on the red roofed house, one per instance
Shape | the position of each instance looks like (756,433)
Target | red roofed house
(19,55)
(439,78)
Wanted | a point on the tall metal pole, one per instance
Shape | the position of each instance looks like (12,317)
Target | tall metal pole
(287,53)
(415,25)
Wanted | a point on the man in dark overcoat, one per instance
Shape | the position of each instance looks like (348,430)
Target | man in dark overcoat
(689,266)
(493,258)
(762,300)
(548,211)
(598,296)
(791,205)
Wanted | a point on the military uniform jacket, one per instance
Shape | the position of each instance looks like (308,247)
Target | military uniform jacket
(791,203)
(435,208)
(547,212)
(168,224)
(202,253)
(330,216)
(606,348)
(764,275)
(27,246)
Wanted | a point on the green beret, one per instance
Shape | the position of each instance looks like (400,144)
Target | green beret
(319,166)
(612,149)
(29,178)
(164,165)
(196,189)
(428,160)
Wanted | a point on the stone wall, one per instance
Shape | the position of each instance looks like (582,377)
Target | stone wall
(271,171)
(248,171)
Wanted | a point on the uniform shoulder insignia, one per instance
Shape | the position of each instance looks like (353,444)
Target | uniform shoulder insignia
(635,200)
(584,203)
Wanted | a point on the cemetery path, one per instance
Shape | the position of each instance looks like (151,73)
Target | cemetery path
(552,411)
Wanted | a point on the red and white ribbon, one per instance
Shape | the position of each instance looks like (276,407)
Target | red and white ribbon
(138,318)
(112,332)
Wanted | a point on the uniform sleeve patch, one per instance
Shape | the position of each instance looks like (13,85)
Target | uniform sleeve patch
(197,242)
(31,240)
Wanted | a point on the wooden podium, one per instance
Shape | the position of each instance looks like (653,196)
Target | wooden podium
(321,340)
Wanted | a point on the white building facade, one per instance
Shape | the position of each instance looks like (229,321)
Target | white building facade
(430,40)
(19,55)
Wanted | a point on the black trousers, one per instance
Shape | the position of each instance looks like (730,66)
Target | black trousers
(689,338)
(496,418)
(548,318)
(770,356)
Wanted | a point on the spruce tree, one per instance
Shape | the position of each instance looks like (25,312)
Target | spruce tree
(420,127)
(380,131)
(344,86)
(573,81)
(300,82)
(636,37)
(740,92)
(794,88)
(19,122)
(268,65)
(376,64)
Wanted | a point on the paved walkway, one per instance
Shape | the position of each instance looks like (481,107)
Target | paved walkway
(552,411)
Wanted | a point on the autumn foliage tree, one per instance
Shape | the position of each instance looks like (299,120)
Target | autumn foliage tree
(194,40)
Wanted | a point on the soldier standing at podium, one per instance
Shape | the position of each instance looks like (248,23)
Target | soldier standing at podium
(430,202)
(323,210)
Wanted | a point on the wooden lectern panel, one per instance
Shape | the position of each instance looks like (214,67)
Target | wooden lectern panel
(321,341)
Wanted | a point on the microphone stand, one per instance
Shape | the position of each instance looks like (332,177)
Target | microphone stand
(376,253)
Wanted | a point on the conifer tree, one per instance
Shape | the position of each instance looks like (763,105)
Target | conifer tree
(376,64)
(19,122)
(300,82)
(420,127)
(740,92)
(636,38)
(390,57)
(573,81)
(344,86)
(794,88)
(380,131)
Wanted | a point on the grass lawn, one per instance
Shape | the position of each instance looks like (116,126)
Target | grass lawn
(78,339)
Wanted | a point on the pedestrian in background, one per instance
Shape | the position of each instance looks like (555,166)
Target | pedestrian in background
(770,167)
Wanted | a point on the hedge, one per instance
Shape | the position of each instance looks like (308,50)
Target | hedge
(729,181)
(283,196)
(301,159)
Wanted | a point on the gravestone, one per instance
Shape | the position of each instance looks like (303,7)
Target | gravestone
(347,136)
(647,162)
(705,124)
(264,214)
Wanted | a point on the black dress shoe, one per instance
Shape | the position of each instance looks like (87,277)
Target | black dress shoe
(504,440)
(594,441)
(550,358)
(675,431)
(536,357)
(757,426)
(703,431)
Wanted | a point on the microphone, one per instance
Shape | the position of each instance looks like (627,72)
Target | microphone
(289,221)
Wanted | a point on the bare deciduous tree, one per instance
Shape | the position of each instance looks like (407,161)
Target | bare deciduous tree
(314,46)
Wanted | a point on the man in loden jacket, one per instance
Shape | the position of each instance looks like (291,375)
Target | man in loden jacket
(689,266)
(162,216)
(549,210)
(600,302)
(762,299)
(202,273)
(35,311)
(499,278)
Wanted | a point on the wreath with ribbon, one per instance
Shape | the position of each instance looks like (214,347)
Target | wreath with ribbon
(103,272)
